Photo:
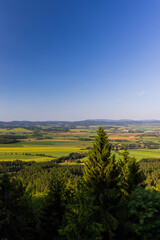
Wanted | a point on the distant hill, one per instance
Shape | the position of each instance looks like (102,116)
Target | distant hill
(85,123)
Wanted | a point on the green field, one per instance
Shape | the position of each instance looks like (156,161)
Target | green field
(44,144)
(52,150)
(145,153)
(14,153)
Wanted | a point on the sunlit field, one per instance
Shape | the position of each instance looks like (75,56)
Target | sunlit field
(18,153)
(50,145)
(145,153)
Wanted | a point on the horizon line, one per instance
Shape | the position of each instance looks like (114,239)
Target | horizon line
(102,119)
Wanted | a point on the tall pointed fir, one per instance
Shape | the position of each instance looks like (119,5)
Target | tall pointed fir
(101,183)
(131,175)
(130,178)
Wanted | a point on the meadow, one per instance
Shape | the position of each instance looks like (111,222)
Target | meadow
(145,153)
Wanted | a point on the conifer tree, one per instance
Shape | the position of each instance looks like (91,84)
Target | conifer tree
(131,176)
(101,182)
(80,218)
(53,210)
(143,214)
(92,214)
(16,215)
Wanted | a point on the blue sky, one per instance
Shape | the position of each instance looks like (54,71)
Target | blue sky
(79,59)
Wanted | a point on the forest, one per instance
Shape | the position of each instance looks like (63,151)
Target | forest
(105,198)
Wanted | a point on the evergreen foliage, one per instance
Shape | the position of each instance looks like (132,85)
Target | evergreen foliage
(16,216)
(92,214)
(101,181)
(131,176)
(53,209)
(80,219)
(144,212)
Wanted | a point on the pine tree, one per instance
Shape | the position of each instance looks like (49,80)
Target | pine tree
(101,182)
(92,214)
(143,214)
(131,176)
(80,218)
(53,210)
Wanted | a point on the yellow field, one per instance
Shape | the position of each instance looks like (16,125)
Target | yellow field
(14,153)
(38,149)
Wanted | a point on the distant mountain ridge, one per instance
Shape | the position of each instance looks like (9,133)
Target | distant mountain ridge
(86,123)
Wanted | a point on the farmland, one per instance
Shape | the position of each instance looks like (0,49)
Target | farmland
(38,150)
(46,142)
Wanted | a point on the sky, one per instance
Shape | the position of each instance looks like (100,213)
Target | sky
(79,59)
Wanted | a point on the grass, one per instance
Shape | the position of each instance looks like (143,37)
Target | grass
(145,153)
(19,156)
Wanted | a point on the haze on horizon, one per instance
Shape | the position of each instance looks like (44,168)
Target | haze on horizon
(76,60)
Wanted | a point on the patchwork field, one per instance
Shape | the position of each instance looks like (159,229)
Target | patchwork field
(47,143)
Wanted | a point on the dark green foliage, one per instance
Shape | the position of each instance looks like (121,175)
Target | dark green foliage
(37,176)
(80,219)
(131,175)
(100,171)
(7,139)
(53,209)
(101,180)
(144,214)
(151,168)
(72,156)
(13,166)
(16,216)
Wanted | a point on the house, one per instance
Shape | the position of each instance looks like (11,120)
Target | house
(125,130)
(68,161)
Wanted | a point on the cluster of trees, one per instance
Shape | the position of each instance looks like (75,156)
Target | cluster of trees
(137,145)
(84,139)
(110,201)
(74,157)
(16,214)
(6,139)
(120,146)
(36,177)
(151,167)
(12,167)
(57,129)
(150,145)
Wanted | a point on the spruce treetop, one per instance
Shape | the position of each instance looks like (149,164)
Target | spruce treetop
(100,167)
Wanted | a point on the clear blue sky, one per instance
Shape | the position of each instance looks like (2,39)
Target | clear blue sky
(79,59)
